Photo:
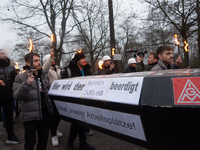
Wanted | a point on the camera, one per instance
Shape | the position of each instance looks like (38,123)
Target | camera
(139,52)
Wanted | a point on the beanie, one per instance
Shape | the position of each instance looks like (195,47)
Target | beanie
(79,56)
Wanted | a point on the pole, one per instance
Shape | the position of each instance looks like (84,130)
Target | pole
(112,33)
(187,53)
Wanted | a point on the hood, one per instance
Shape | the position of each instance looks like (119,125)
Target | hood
(4,63)
(73,66)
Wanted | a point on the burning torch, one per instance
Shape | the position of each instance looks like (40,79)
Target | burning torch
(53,44)
(31,51)
(17,66)
(187,51)
(79,51)
(176,40)
(113,51)
(100,64)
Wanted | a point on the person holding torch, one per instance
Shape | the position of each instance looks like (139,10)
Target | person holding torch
(165,59)
(54,74)
(107,67)
(31,88)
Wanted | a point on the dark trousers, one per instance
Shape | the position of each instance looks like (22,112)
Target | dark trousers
(8,109)
(42,128)
(54,125)
(74,130)
(16,108)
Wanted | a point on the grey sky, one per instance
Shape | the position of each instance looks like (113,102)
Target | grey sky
(8,36)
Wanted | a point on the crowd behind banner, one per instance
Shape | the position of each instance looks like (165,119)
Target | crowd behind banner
(30,90)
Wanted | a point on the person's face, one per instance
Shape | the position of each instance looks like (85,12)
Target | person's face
(81,62)
(3,55)
(133,64)
(53,63)
(152,60)
(167,56)
(36,63)
(107,63)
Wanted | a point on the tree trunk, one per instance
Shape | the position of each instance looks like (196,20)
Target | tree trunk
(198,20)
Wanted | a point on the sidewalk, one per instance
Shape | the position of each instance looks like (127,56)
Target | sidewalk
(99,140)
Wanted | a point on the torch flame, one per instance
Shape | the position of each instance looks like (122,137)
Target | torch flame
(176,40)
(31,45)
(100,64)
(79,51)
(23,71)
(52,37)
(17,66)
(186,46)
(113,51)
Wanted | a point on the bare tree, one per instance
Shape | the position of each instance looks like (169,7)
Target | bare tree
(181,14)
(47,17)
(126,37)
(92,24)
(198,22)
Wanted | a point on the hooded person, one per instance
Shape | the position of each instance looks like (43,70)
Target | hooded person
(74,69)
(7,76)
(78,67)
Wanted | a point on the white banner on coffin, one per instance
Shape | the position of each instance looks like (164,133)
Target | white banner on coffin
(68,87)
(96,89)
(127,124)
(125,90)
(119,90)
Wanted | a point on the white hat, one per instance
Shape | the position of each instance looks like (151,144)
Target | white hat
(105,58)
(46,57)
(131,61)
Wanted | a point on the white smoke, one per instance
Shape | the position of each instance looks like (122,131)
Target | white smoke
(8,47)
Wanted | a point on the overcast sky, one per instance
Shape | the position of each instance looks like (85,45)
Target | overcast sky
(8,36)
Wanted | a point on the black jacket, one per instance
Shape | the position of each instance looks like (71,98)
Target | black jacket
(75,71)
(130,69)
(7,74)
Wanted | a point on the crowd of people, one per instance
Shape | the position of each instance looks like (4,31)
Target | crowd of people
(38,112)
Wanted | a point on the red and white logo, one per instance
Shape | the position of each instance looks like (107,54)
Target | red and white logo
(186,91)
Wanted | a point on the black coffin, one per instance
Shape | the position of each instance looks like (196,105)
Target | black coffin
(156,110)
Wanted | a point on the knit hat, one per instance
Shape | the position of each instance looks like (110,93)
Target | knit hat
(79,56)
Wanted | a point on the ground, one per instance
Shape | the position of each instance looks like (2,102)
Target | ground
(99,140)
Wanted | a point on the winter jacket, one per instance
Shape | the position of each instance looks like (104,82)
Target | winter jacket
(75,71)
(7,74)
(104,70)
(141,67)
(53,75)
(130,69)
(30,96)
(161,66)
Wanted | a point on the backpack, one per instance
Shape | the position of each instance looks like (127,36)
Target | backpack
(69,73)
(66,73)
